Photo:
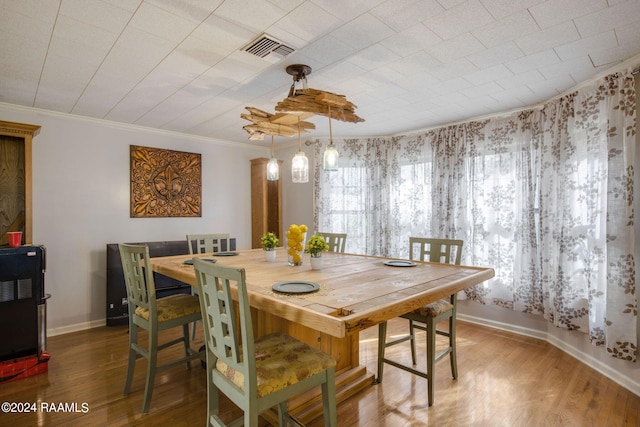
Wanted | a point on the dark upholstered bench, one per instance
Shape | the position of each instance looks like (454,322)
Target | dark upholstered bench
(117,307)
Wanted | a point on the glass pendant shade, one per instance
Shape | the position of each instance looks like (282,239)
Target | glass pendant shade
(273,170)
(300,168)
(330,161)
(331,155)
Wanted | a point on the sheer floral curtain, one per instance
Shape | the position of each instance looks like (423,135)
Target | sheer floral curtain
(544,197)
(355,198)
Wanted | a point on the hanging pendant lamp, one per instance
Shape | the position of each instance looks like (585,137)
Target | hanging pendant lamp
(331,155)
(300,163)
(273,170)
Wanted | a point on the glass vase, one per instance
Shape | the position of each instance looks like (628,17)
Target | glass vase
(295,249)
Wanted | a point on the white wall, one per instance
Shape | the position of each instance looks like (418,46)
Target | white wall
(297,201)
(81,203)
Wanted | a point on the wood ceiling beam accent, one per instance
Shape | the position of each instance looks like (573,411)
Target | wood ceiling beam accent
(269,124)
(318,102)
(330,98)
(290,118)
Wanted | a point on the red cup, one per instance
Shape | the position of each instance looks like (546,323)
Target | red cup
(15,238)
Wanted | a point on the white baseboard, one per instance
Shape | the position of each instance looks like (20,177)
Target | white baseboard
(75,328)
(604,369)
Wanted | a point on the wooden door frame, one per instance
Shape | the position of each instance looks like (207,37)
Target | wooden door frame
(26,132)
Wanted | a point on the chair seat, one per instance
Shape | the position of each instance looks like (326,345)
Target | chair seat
(434,309)
(172,307)
(280,361)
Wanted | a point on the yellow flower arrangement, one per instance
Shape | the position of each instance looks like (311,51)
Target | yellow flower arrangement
(269,241)
(316,245)
(295,246)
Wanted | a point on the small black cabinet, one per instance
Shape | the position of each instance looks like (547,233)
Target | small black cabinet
(22,322)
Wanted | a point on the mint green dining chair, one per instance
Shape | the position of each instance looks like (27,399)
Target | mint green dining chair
(208,243)
(426,318)
(154,315)
(336,241)
(255,375)
(203,244)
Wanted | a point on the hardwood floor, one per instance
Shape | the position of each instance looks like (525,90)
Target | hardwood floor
(504,380)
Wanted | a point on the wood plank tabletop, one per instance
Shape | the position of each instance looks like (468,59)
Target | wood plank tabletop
(356,291)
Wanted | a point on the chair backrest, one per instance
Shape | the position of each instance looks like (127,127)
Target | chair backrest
(208,243)
(138,277)
(336,241)
(224,340)
(444,251)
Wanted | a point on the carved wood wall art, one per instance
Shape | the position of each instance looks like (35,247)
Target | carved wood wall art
(165,183)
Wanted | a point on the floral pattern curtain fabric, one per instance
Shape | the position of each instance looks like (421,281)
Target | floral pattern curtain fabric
(544,196)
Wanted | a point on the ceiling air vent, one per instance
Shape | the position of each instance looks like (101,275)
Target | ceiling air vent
(268,48)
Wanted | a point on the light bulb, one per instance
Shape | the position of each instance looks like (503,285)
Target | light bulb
(273,170)
(331,155)
(300,168)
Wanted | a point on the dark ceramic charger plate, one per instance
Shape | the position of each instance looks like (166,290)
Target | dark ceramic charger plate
(295,287)
(190,261)
(225,253)
(400,263)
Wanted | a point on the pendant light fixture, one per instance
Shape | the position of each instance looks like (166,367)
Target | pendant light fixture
(273,170)
(330,163)
(300,163)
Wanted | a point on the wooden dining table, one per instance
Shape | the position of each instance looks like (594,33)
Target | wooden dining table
(354,292)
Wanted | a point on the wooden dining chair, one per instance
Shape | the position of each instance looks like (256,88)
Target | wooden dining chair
(153,315)
(336,241)
(202,244)
(255,375)
(426,318)
(208,243)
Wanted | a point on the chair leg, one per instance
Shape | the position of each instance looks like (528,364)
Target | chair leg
(251,417)
(452,345)
(193,331)
(133,356)
(282,413)
(213,396)
(329,399)
(382,337)
(412,334)
(187,347)
(151,371)
(431,358)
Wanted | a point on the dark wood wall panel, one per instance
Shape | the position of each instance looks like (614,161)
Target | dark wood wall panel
(12,189)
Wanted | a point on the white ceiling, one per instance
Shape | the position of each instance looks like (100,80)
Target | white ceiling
(407,64)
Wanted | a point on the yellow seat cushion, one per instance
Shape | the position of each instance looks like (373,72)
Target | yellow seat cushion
(172,307)
(434,309)
(280,361)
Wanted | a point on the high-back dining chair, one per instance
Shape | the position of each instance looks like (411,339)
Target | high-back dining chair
(202,244)
(153,315)
(336,241)
(255,375)
(208,243)
(426,318)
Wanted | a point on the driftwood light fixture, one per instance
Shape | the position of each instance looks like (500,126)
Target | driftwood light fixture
(317,102)
(274,124)
(300,104)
